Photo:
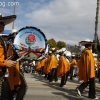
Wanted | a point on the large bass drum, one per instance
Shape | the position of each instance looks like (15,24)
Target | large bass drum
(30,42)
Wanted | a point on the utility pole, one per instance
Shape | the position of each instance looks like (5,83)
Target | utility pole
(14,14)
(96,25)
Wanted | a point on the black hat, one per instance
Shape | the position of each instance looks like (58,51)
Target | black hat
(7,19)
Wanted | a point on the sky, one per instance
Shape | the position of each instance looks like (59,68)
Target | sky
(70,21)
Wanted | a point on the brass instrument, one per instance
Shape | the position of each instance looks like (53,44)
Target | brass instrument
(9,42)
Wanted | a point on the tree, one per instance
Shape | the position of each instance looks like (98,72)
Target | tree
(74,49)
(57,45)
(52,43)
(61,44)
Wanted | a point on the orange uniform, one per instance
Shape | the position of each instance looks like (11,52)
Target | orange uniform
(73,62)
(86,69)
(63,66)
(43,62)
(46,65)
(38,66)
(2,61)
(52,63)
(14,76)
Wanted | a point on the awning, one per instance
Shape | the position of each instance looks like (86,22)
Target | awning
(6,31)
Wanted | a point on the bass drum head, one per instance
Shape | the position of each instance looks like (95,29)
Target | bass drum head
(30,40)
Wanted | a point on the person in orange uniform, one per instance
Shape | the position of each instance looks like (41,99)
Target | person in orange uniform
(73,64)
(16,78)
(38,66)
(5,91)
(63,68)
(86,66)
(46,69)
(52,67)
(42,65)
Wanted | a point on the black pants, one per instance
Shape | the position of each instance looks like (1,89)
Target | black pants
(53,75)
(71,72)
(91,84)
(48,76)
(41,70)
(6,93)
(23,88)
(64,79)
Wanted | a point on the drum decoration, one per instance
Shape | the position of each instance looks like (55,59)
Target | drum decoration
(45,54)
(30,43)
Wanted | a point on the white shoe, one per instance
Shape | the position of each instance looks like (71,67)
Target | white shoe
(96,98)
(78,92)
(75,78)
(64,86)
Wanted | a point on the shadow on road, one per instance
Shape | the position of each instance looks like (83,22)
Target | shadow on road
(70,94)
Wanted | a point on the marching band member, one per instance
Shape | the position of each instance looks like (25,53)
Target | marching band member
(46,69)
(42,65)
(5,91)
(63,68)
(52,67)
(86,66)
(38,66)
(73,64)
(16,78)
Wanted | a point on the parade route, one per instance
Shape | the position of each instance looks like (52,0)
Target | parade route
(40,89)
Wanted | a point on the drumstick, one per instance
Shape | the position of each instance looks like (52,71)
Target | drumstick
(23,55)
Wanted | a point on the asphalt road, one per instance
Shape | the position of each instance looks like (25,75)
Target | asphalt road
(41,89)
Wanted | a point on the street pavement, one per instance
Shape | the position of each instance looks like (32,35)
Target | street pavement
(40,89)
